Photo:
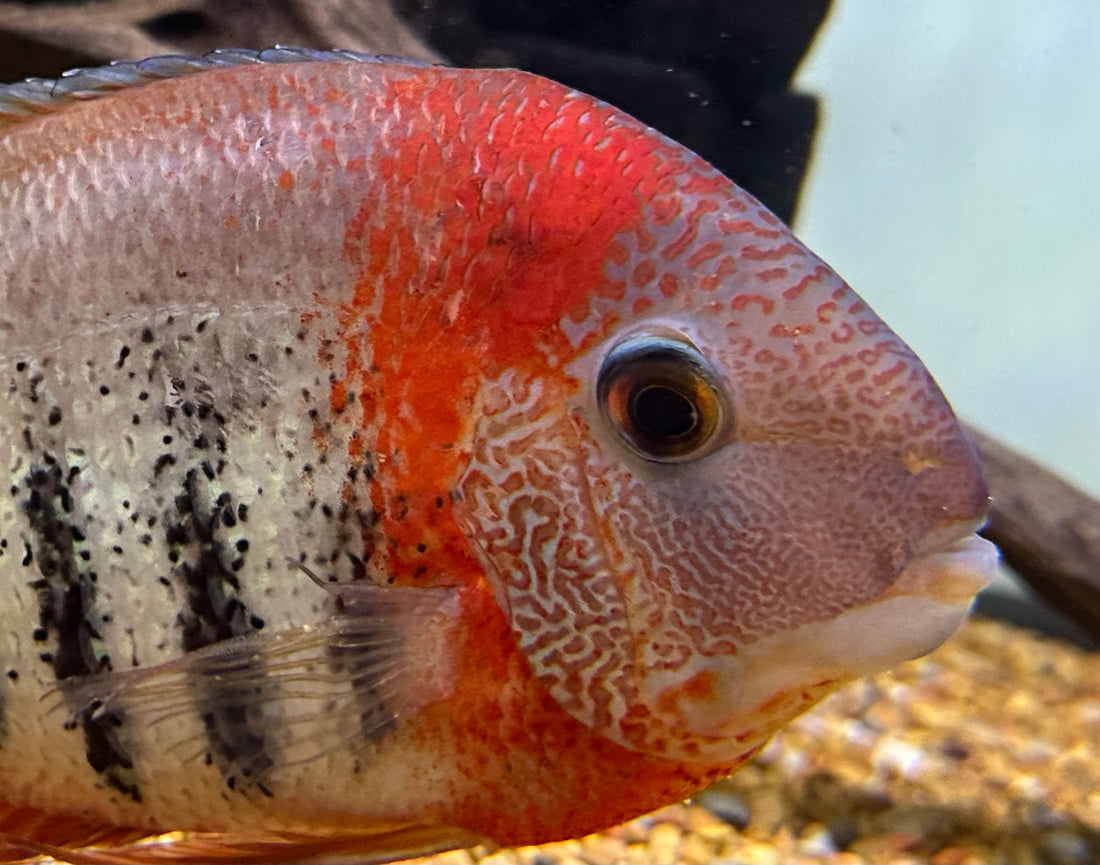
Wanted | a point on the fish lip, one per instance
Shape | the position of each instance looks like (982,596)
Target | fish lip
(951,563)
(947,535)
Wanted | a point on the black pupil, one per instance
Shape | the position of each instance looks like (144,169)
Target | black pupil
(660,412)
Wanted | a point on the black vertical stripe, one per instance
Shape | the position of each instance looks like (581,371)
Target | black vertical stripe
(66,593)
(232,709)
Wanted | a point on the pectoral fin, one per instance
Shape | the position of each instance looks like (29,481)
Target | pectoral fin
(272,699)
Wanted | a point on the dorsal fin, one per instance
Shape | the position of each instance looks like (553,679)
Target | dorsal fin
(44,95)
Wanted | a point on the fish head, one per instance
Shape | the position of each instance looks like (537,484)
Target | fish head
(730,487)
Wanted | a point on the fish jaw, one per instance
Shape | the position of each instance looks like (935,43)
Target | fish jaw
(754,691)
(785,570)
(952,565)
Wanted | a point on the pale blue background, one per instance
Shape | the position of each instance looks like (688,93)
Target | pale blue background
(956,185)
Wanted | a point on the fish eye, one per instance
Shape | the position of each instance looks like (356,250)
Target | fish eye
(659,394)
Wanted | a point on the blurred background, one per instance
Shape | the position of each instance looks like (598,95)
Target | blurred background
(955,181)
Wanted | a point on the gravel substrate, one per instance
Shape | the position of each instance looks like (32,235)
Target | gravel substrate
(988,750)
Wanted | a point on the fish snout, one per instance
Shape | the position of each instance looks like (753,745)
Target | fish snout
(948,477)
(951,562)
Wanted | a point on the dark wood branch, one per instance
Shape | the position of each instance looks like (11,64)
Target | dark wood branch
(1048,532)
(45,39)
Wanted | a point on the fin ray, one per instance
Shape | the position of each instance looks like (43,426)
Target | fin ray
(36,96)
(322,686)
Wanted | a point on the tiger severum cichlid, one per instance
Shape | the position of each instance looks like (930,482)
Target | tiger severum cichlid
(396,457)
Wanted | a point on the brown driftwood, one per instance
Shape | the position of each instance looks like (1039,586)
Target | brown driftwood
(1047,530)
(46,38)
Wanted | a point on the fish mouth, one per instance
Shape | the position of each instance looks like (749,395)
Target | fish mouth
(951,564)
(760,686)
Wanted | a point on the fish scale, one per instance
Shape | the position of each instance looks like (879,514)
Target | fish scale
(402,457)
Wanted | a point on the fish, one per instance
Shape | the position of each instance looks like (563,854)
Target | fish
(397,458)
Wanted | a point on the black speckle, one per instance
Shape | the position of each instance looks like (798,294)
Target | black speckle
(135,420)
(146,335)
(242,545)
(123,353)
(13,674)
(54,416)
(104,390)
(40,635)
(21,366)
(163,462)
(177,534)
(242,512)
(421,548)
(143,395)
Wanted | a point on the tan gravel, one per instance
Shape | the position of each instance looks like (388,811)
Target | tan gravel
(987,750)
